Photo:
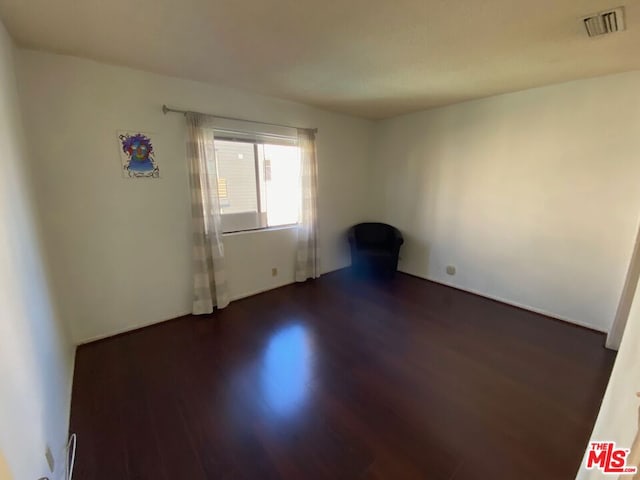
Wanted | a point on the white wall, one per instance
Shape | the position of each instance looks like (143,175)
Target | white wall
(36,355)
(619,417)
(121,248)
(533,196)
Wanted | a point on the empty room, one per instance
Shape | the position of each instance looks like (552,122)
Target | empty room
(330,240)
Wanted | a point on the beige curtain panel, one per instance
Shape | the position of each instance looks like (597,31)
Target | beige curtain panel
(209,277)
(307,254)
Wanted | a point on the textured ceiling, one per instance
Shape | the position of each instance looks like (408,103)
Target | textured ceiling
(372,58)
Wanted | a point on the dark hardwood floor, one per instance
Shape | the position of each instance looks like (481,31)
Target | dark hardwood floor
(342,379)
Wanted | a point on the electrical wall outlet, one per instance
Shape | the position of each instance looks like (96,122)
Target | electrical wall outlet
(451,270)
(50,460)
(274,272)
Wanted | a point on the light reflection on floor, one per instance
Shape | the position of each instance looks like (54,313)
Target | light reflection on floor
(286,368)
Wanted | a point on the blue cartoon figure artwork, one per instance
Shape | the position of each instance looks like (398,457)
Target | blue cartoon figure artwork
(138,155)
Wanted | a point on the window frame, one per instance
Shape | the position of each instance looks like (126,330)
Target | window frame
(255,142)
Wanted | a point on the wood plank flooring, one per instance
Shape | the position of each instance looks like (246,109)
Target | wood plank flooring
(342,379)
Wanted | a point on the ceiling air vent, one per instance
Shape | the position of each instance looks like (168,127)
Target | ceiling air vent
(602,23)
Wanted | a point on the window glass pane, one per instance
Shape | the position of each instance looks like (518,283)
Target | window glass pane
(237,186)
(282,184)
(258,184)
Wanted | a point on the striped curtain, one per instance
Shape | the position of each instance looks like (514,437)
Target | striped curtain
(308,255)
(209,278)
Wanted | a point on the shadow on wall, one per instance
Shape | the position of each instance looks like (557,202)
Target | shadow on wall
(418,250)
(415,184)
(34,342)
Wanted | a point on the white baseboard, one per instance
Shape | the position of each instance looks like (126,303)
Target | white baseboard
(251,293)
(129,328)
(238,296)
(263,290)
(511,302)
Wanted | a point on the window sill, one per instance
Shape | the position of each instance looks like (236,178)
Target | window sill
(259,230)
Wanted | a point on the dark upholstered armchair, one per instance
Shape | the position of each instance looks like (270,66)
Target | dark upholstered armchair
(375,248)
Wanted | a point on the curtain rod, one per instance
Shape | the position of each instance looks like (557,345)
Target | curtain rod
(166,110)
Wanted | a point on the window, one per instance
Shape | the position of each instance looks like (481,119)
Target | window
(258,181)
